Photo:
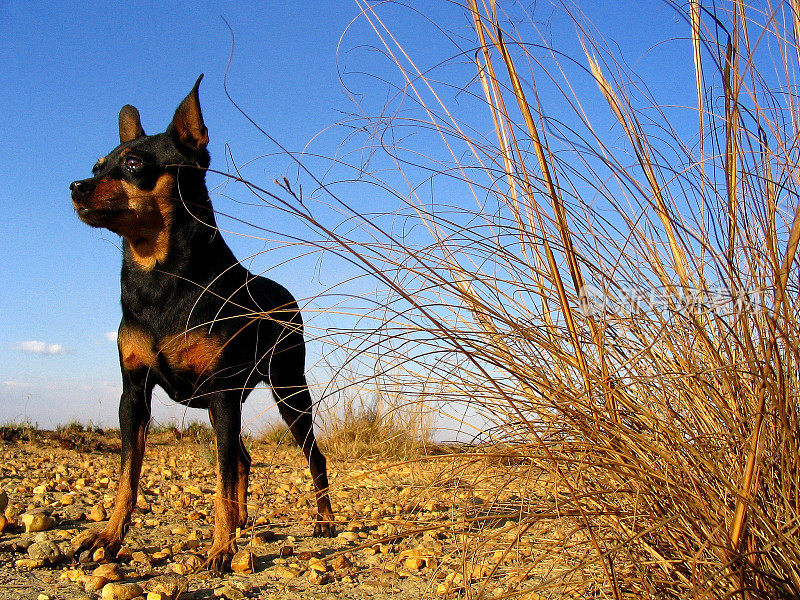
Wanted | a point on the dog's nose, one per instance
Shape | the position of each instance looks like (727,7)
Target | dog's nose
(79,189)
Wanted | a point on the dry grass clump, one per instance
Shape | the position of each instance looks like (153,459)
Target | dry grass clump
(276,434)
(18,431)
(615,305)
(359,430)
(626,313)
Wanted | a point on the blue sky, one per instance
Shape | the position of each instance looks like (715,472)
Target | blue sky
(69,67)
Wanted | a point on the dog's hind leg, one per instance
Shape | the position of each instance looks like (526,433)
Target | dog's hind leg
(242,482)
(294,403)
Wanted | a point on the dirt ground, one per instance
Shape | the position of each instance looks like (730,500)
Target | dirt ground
(397,531)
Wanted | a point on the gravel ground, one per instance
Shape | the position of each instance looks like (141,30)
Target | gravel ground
(398,526)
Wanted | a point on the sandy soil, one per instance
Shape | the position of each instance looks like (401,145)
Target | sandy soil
(398,524)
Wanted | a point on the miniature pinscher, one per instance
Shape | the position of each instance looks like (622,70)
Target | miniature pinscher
(194,320)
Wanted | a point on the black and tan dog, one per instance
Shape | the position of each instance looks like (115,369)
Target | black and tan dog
(194,321)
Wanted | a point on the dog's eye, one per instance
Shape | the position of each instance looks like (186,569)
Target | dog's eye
(132,163)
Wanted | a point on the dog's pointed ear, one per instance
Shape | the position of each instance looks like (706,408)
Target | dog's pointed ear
(187,127)
(130,126)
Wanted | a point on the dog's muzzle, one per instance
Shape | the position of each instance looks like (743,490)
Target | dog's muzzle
(80,189)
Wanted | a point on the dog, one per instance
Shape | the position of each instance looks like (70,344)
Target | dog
(194,321)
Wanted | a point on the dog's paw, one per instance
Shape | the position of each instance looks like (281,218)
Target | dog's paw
(325,526)
(219,560)
(93,540)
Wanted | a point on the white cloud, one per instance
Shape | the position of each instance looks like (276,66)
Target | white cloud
(16,384)
(111,336)
(34,347)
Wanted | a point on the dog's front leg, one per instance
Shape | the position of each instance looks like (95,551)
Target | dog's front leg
(226,419)
(134,417)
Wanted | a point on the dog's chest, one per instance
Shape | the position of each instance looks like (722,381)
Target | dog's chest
(189,352)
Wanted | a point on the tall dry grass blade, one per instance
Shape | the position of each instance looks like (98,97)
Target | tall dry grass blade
(731,89)
(645,161)
(694,18)
(504,131)
(695,22)
(789,256)
(555,199)
(795,6)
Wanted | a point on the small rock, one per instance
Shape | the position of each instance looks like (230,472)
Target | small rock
(37,522)
(100,555)
(341,563)
(42,536)
(3,523)
(142,558)
(264,537)
(446,588)
(11,512)
(178,568)
(46,551)
(319,578)
(121,591)
(187,563)
(94,583)
(74,575)
(73,513)
(27,564)
(420,552)
(243,562)
(191,544)
(415,564)
(21,544)
(243,585)
(434,535)
(204,575)
(97,514)
(168,586)
(229,592)
(194,534)
(315,564)
(109,571)
(286,551)
(3,501)
(284,572)
(193,490)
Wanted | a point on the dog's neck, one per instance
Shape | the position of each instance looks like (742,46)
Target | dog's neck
(183,236)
